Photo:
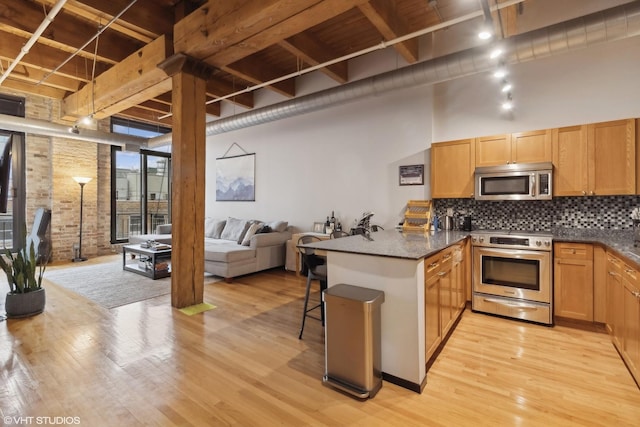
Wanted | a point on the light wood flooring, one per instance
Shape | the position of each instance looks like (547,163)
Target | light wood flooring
(242,364)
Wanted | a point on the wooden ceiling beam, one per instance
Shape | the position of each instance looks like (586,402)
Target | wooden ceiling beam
(507,20)
(46,91)
(47,58)
(251,71)
(227,53)
(144,21)
(384,16)
(313,52)
(144,115)
(122,85)
(217,88)
(33,75)
(23,19)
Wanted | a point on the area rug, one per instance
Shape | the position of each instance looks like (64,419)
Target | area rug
(108,285)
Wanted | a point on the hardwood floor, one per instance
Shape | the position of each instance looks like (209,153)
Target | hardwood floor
(242,364)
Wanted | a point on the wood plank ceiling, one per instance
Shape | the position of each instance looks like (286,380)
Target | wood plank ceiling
(249,42)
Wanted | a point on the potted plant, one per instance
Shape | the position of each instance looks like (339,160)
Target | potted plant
(26,295)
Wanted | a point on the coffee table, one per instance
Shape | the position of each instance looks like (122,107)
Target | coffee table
(150,262)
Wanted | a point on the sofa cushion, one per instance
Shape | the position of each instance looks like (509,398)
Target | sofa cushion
(235,229)
(253,229)
(226,251)
(163,229)
(278,226)
(213,227)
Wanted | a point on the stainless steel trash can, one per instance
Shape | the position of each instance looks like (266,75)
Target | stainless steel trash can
(352,339)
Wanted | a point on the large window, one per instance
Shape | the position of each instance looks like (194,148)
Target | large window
(141,185)
(12,177)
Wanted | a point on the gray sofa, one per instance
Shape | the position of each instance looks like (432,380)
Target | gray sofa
(234,247)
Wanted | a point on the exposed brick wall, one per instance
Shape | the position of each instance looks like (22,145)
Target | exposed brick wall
(51,164)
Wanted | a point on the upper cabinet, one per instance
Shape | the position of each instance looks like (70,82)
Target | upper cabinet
(452,168)
(595,159)
(521,147)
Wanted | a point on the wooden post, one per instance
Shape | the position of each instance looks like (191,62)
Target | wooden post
(188,178)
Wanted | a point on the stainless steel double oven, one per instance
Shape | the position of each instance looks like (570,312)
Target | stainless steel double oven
(512,275)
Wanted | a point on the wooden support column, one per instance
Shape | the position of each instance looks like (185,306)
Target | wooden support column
(189,78)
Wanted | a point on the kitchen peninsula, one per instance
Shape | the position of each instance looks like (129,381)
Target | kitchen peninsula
(396,263)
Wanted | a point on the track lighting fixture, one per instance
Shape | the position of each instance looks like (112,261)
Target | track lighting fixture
(74,129)
(87,120)
(486,31)
(500,73)
(506,86)
(495,53)
(507,105)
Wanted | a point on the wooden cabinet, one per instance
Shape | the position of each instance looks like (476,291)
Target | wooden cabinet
(443,294)
(631,333)
(615,299)
(433,338)
(521,147)
(599,284)
(452,167)
(595,159)
(573,281)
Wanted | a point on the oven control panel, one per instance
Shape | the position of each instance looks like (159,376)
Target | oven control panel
(542,242)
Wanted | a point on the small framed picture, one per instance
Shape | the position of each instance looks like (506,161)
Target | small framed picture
(318,227)
(412,175)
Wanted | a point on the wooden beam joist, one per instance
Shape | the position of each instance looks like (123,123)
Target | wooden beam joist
(46,91)
(313,52)
(32,75)
(23,19)
(217,88)
(384,16)
(251,71)
(136,79)
(47,58)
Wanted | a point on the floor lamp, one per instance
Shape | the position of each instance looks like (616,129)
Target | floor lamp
(82,181)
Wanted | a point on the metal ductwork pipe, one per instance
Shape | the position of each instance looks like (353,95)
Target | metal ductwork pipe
(605,26)
(41,127)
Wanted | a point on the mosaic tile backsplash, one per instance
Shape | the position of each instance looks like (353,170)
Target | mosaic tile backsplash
(597,212)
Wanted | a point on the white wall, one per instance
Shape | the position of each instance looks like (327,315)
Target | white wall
(343,159)
(346,158)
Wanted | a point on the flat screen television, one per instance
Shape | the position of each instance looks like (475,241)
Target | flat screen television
(5,170)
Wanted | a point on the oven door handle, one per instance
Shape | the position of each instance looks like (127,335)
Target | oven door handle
(520,306)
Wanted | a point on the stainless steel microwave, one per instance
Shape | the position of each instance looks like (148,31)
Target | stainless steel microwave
(515,181)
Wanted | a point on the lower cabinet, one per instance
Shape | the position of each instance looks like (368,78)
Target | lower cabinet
(444,294)
(573,281)
(623,311)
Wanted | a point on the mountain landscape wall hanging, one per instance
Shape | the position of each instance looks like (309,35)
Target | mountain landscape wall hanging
(235,178)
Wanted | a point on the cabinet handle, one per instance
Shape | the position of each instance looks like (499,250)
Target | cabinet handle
(446,257)
(628,270)
(612,273)
(442,273)
(591,193)
(584,193)
(573,251)
(636,294)
(433,264)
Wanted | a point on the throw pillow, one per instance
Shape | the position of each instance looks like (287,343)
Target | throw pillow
(234,229)
(253,229)
(213,227)
(265,229)
(278,226)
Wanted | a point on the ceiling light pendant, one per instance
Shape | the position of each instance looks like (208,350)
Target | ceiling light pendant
(495,53)
(500,73)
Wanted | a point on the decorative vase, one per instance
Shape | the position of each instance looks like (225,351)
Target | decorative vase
(25,305)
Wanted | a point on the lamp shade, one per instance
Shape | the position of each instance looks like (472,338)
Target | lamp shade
(81,179)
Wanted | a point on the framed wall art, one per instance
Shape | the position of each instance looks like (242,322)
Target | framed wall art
(235,178)
(411,175)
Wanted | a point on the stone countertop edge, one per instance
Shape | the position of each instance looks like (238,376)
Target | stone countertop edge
(393,243)
(418,245)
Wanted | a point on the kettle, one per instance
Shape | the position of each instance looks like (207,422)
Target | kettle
(447,223)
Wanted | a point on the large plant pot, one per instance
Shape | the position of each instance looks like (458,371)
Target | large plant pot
(25,305)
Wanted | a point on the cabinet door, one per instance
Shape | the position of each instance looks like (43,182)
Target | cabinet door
(614,280)
(612,157)
(631,333)
(573,281)
(531,147)
(570,174)
(493,150)
(452,168)
(432,315)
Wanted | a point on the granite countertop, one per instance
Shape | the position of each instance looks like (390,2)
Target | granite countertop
(393,243)
(620,241)
(418,245)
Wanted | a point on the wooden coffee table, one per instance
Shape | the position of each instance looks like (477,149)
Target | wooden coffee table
(153,263)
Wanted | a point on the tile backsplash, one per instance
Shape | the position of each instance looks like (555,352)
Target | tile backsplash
(594,212)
